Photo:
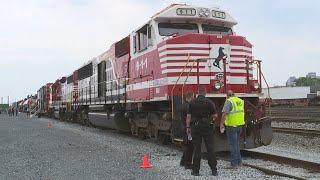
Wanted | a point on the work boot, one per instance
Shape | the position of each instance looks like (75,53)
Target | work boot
(214,172)
(195,173)
(188,166)
(182,163)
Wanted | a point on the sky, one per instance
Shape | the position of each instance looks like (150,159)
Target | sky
(42,40)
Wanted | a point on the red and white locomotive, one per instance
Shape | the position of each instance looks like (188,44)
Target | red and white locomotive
(138,84)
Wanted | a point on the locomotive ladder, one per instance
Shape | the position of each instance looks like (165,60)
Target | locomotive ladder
(35,111)
(261,76)
(174,86)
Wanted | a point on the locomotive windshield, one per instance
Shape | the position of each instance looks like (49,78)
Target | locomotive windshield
(211,29)
(168,29)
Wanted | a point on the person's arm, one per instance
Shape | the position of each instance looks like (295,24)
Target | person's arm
(188,118)
(214,117)
(188,122)
(214,112)
(223,118)
(226,109)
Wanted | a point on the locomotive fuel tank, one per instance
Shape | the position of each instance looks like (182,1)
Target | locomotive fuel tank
(110,120)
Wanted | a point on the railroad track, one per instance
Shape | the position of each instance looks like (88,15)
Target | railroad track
(306,132)
(311,166)
(295,119)
(309,113)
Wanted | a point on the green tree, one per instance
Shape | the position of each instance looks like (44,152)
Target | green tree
(306,81)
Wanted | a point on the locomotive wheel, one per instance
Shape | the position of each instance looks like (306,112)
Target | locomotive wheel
(152,131)
(163,139)
(82,118)
(85,118)
(133,128)
(142,133)
(152,128)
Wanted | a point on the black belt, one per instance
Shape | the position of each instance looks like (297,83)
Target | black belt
(201,117)
(197,120)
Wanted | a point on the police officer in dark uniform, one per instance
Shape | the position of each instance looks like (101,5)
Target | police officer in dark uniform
(200,122)
(186,159)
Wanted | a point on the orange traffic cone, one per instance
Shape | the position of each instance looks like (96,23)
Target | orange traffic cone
(49,124)
(145,162)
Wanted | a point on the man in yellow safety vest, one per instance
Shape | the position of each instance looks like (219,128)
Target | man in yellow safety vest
(232,121)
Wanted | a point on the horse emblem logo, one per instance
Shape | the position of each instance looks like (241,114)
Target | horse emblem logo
(221,56)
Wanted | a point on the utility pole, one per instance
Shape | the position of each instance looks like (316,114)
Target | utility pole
(1,100)
(8,101)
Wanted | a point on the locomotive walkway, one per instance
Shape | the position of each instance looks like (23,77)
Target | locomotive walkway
(35,149)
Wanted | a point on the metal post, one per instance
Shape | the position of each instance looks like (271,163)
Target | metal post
(90,91)
(260,78)
(111,91)
(225,75)
(247,70)
(198,73)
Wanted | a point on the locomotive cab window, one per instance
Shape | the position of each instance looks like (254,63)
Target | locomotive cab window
(211,29)
(143,38)
(169,29)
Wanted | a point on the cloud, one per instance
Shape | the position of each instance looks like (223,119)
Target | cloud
(41,41)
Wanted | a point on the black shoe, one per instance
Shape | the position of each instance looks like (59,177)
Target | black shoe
(182,163)
(188,166)
(214,172)
(195,173)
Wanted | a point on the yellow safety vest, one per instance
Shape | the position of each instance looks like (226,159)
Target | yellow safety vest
(236,116)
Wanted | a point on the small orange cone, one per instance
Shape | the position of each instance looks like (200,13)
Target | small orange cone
(145,162)
(49,124)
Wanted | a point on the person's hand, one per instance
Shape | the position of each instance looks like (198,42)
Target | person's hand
(188,130)
(222,128)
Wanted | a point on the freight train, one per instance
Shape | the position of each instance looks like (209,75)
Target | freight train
(138,84)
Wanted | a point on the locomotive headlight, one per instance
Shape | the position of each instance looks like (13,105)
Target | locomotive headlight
(204,12)
(256,86)
(217,85)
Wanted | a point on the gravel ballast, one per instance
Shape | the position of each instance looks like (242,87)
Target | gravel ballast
(293,146)
(31,150)
(295,125)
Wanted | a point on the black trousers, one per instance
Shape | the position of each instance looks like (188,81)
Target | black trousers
(186,159)
(203,131)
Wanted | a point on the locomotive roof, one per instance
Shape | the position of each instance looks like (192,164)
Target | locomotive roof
(188,12)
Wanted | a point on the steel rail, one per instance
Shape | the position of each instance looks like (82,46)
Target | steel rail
(295,119)
(312,166)
(307,132)
(273,172)
(262,156)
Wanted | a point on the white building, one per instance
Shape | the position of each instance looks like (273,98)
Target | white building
(311,75)
(291,81)
(287,92)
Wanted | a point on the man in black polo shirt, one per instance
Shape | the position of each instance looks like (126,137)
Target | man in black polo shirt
(186,159)
(200,122)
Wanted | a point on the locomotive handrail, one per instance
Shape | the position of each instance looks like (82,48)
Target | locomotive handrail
(86,92)
(258,62)
(184,83)
(269,104)
(35,110)
(172,115)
